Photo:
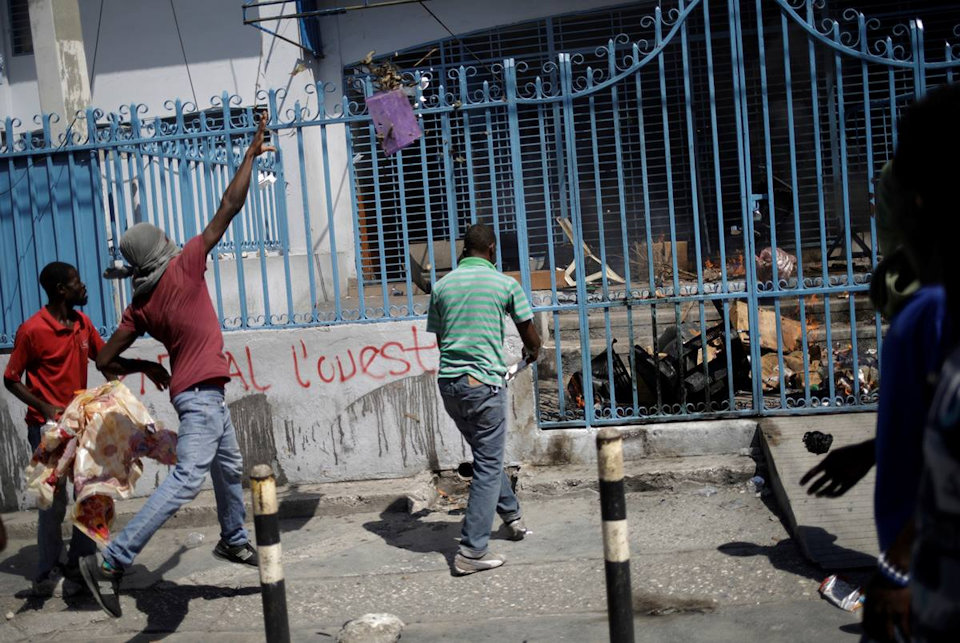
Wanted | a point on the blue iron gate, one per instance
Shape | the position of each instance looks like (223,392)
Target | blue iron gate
(688,206)
(707,183)
(48,206)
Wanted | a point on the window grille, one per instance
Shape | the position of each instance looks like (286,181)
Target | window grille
(21,38)
(539,41)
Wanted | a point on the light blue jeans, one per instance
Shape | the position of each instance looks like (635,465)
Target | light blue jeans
(206,441)
(480,412)
(49,521)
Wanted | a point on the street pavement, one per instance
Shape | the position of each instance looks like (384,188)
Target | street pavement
(705,567)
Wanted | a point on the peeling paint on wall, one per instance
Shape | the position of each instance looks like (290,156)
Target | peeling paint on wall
(253,418)
(14,457)
(413,405)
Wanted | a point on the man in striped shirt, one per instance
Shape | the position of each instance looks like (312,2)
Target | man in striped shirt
(467,310)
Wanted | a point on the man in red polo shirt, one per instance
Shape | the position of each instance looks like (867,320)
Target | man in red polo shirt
(52,348)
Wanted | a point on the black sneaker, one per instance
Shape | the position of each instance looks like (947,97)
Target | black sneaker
(103,584)
(72,573)
(73,583)
(243,554)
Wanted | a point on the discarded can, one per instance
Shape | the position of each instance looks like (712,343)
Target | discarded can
(841,593)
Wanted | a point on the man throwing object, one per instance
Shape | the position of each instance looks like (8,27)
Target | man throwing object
(171,303)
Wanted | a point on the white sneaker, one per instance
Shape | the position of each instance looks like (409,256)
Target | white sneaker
(463,565)
(516,530)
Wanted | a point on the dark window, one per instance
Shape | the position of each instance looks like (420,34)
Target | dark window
(21,39)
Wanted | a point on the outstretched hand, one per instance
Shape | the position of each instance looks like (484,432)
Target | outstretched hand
(157,374)
(256,145)
(840,470)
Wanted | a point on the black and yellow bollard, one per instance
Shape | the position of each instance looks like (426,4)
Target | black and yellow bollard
(266,521)
(616,547)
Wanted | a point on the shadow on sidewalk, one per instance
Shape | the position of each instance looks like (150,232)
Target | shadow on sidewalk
(408,531)
(166,603)
(787,556)
(297,508)
(23,563)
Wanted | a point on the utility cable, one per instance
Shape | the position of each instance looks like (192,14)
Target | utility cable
(184,52)
(455,36)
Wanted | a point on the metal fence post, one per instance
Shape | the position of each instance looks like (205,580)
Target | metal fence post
(616,547)
(267,524)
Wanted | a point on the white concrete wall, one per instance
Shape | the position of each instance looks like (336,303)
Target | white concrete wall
(335,403)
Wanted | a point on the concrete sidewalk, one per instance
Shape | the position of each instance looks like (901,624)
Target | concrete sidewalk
(710,561)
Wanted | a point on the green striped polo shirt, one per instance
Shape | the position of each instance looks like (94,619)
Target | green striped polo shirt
(467,309)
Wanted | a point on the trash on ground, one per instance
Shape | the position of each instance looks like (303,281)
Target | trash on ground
(193,539)
(622,383)
(816,442)
(736,503)
(786,265)
(791,332)
(671,372)
(841,593)
(371,627)
(755,484)
(867,369)
(706,491)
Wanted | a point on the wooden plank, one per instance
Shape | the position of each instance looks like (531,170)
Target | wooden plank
(835,533)
(790,329)
(540,279)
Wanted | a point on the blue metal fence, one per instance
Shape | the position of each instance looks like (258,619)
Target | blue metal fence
(638,192)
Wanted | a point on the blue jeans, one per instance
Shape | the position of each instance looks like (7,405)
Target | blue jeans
(206,441)
(49,521)
(480,412)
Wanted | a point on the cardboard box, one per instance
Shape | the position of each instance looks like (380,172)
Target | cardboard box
(540,279)
(790,329)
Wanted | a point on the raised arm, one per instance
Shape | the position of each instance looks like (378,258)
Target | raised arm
(236,193)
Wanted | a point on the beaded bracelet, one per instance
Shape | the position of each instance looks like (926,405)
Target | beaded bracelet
(891,573)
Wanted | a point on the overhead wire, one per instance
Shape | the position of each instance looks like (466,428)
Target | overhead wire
(183,50)
(455,36)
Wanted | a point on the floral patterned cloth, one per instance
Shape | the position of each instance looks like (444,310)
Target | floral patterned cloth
(98,443)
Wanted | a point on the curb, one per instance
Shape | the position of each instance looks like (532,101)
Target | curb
(296,501)
(655,474)
(410,495)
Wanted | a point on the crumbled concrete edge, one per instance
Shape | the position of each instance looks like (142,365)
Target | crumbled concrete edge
(653,475)
(332,499)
